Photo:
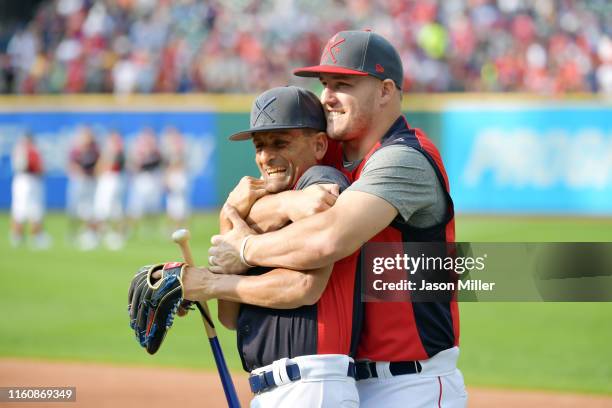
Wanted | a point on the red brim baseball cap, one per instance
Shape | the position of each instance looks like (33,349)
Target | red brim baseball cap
(358,53)
(316,70)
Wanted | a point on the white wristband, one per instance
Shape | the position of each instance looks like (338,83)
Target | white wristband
(242,248)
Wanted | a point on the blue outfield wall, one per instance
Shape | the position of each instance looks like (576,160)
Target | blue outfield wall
(503,153)
(54,132)
(529,159)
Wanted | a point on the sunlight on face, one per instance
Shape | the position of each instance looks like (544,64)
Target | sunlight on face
(283,156)
(349,103)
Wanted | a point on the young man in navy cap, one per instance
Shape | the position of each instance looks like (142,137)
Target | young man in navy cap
(294,328)
(399,193)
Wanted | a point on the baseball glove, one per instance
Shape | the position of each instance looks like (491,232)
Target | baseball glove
(152,303)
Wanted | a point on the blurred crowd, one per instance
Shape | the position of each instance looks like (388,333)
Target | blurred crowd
(111,190)
(145,46)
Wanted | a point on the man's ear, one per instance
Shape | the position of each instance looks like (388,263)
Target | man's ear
(320,145)
(387,91)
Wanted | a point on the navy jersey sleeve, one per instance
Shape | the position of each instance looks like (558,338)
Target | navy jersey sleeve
(322,175)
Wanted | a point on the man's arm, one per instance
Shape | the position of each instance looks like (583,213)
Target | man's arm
(395,180)
(310,243)
(247,191)
(277,289)
(269,212)
(281,288)
(273,211)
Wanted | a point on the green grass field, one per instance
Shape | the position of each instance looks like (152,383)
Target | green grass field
(64,304)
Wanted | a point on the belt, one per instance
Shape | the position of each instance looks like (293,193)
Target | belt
(264,381)
(367,369)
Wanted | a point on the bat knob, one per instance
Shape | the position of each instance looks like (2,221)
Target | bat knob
(181,235)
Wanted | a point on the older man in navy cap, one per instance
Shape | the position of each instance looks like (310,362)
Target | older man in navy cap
(295,329)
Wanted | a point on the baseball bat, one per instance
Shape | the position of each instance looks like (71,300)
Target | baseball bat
(181,237)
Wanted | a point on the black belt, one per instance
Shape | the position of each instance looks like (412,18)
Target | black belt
(263,382)
(367,369)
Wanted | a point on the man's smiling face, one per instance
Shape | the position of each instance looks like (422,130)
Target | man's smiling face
(283,156)
(349,104)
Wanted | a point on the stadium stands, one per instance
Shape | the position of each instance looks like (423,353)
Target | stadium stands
(146,46)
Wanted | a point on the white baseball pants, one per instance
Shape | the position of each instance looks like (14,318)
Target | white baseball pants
(324,384)
(439,385)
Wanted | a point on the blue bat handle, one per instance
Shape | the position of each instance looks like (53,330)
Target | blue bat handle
(226,378)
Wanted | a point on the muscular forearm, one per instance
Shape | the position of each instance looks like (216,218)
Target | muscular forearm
(323,238)
(307,244)
(227,311)
(278,289)
(273,212)
(268,213)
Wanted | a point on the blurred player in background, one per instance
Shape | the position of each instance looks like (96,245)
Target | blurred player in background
(28,195)
(146,183)
(82,188)
(176,177)
(108,202)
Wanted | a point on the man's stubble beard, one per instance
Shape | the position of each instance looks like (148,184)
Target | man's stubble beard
(356,128)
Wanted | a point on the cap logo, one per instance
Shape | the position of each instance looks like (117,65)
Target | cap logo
(262,110)
(333,45)
(379,68)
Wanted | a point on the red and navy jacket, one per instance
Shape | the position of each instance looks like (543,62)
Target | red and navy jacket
(407,331)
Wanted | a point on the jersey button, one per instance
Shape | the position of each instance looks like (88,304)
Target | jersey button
(245,329)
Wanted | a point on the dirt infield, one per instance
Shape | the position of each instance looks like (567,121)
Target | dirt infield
(110,386)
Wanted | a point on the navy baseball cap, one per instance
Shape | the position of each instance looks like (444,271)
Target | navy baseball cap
(358,53)
(286,107)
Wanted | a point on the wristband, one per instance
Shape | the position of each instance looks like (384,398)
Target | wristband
(242,248)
